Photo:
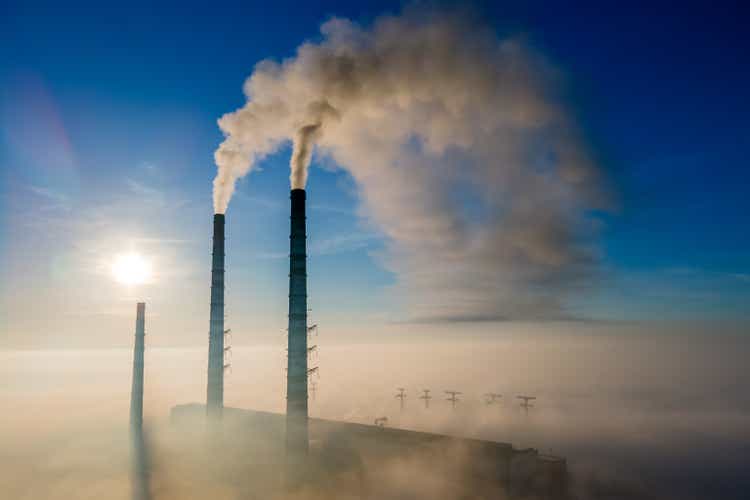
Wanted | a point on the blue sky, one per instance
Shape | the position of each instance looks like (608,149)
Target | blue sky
(108,119)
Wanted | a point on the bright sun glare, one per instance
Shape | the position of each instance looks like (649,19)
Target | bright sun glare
(131,269)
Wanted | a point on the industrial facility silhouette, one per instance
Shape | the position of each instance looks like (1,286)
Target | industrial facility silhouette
(341,449)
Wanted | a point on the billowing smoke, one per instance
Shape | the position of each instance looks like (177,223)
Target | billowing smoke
(464,156)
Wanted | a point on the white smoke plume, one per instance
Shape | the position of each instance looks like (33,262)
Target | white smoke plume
(464,156)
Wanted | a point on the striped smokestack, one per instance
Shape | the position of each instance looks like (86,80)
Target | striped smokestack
(215,389)
(296,387)
(136,392)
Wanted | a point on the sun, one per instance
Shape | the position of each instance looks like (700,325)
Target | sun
(131,269)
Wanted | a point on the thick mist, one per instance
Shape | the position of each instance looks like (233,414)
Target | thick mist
(462,149)
(636,417)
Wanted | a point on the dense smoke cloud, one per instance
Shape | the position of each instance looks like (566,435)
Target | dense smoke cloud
(463,155)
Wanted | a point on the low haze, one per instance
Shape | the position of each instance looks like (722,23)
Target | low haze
(632,414)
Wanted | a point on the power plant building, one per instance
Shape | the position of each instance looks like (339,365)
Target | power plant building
(322,454)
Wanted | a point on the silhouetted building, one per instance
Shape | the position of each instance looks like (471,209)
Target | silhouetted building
(351,460)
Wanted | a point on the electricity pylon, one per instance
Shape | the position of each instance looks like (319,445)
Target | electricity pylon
(453,399)
(491,398)
(525,402)
(401,395)
(426,396)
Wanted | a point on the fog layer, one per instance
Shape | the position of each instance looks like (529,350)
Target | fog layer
(663,417)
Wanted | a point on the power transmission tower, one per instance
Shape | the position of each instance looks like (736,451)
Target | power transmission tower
(453,399)
(401,395)
(491,398)
(426,396)
(525,402)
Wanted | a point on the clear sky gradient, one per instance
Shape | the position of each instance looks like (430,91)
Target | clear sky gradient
(108,128)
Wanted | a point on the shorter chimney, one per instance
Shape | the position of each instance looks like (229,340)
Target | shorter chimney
(136,393)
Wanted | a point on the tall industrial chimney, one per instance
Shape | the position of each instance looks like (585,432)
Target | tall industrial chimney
(136,393)
(139,453)
(215,390)
(296,386)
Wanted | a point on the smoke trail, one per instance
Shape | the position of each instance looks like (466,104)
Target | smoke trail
(464,155)
(319,113)
(301,154)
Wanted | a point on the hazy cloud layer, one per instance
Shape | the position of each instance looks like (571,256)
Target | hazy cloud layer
(636,417)
(463,154)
